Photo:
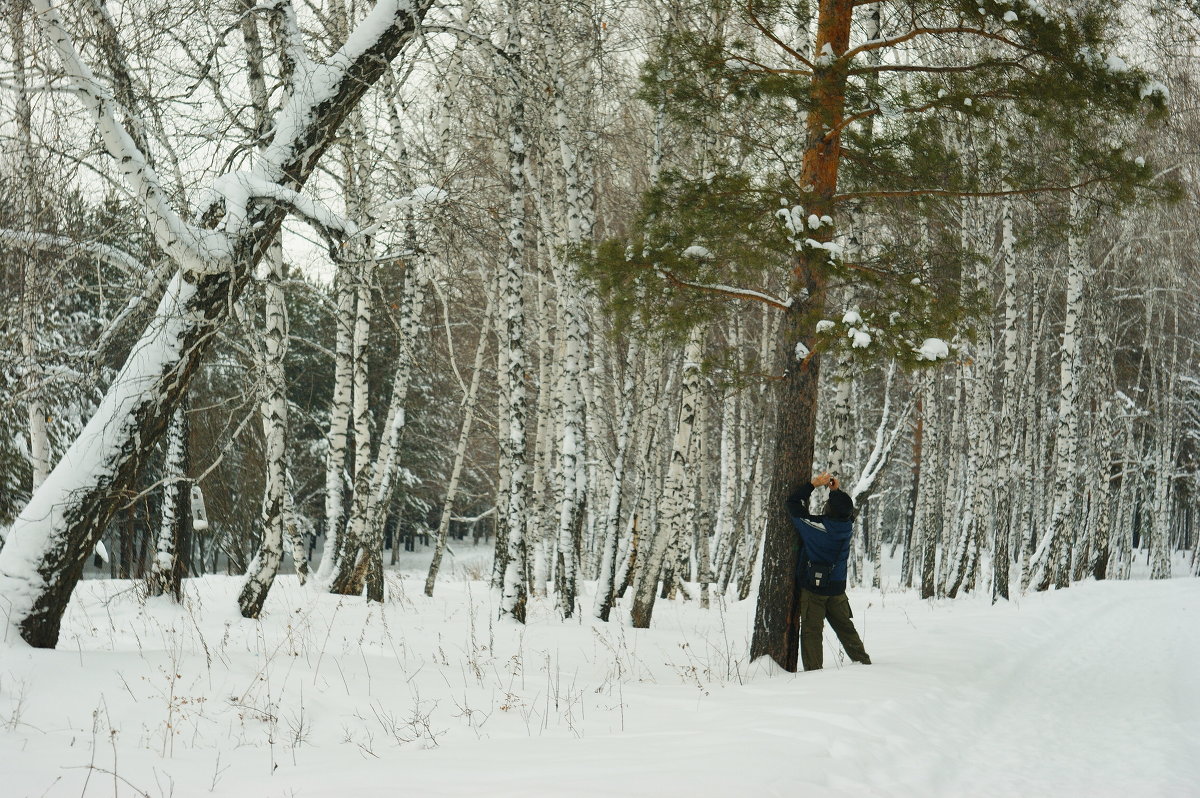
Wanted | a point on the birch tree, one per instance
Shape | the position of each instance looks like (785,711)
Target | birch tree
(214,257)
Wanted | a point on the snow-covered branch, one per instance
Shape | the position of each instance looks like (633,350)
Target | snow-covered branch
(726,290)
(111,255)
(238,189)
(316,104)
(191,247)
(885,439)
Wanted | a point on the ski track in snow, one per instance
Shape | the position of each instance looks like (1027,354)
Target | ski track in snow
(1090,691)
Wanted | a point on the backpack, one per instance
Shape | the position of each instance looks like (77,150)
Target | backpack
(817,574)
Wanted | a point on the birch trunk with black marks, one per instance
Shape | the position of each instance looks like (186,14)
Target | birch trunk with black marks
(1051,562)
(1006,439)
(260,575)
(512,308)
(167,570)
(672,508)
(605,581)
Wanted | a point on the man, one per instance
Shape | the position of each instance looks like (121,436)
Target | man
(822,571)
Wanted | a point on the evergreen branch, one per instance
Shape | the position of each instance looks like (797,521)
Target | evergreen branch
(946,192)
(879,44)
(861,115)
(875,70)
(916,109)
(725,290)
(763,68)
(770,34)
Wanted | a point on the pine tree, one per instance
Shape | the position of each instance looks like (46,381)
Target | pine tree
(883,119)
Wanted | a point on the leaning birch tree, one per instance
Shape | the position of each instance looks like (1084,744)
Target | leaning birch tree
(214,256)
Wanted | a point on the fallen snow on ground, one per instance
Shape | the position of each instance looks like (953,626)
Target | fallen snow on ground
(1091,691)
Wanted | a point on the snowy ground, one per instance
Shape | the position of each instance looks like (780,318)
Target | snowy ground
(1092,691)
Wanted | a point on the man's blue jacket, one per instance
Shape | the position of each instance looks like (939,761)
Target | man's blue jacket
(826,545)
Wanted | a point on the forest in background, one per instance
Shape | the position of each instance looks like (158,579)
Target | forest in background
(505,303)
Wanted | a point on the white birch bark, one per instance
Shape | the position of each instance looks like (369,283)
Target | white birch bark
(1163,462)
(339,425)
(605,582)
(726,537)
(513,447)
(573,443)
(1006,441)
(1052,560)
(263,568)
(703,516)
(260,575)
(460,450)
(673,506)
(39,439)
(927,514)
(175,492)
(977,389)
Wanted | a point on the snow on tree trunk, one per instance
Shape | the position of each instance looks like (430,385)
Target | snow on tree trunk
(47,545)
(674,499)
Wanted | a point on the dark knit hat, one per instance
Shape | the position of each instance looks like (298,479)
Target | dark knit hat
(840,506)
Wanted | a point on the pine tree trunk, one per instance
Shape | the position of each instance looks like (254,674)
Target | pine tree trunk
(777,615)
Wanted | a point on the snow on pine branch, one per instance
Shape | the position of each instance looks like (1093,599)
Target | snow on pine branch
(191,247)
(727,290)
